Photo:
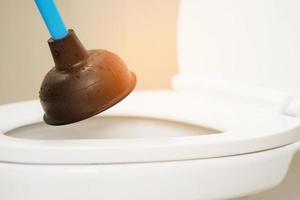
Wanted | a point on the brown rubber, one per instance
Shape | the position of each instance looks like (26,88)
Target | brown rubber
(82,83)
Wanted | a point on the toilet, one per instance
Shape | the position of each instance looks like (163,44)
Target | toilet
(229,128)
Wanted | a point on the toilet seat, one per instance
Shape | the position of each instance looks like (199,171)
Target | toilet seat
(244,128)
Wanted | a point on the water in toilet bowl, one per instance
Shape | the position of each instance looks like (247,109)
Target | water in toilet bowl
(110,128)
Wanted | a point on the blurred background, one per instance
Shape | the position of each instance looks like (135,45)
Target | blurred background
(142,33)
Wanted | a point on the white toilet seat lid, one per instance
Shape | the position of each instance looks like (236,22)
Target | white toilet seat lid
(256,45)
(245,129)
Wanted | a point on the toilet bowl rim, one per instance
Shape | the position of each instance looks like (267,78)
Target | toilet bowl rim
(198,147)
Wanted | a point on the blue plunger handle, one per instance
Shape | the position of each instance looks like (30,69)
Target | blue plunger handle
(52,19)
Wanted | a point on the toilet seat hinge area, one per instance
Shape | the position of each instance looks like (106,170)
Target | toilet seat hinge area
(291,106)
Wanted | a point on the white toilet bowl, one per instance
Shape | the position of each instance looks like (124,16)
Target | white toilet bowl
(229,127)
(153,145)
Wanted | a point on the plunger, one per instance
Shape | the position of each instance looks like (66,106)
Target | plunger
(83,82)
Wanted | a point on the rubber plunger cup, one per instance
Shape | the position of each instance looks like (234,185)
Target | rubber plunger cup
(82,83)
